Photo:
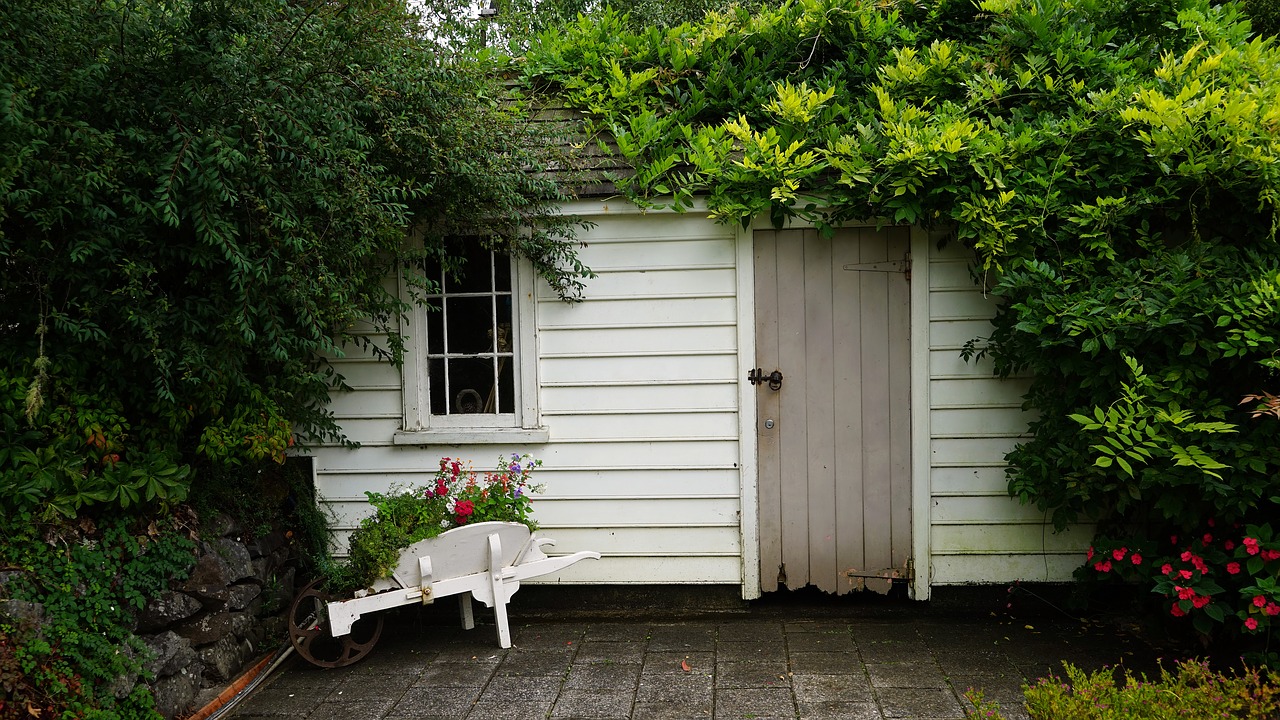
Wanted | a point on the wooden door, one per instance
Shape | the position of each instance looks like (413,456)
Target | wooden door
(834,438)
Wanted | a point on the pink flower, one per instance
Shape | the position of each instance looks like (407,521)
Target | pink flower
(1251,623)
(1185,593)
(1102,566)
(1210,522)
(1136,559)
(1259,601)
(1177,611)
(1186,556)
(1251,545)
(1089,555)
(1173,539)
(1186,574)
(1271,555)
(1229,545)
(1272,609)
(1166,568)
(1207,538)
(1200,601)
(1118,553)
(1233,568)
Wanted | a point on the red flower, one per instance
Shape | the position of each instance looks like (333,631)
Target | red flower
(1259,601)
(1118,553)
(1136,559)
(1207,538)
(1228,545)
(1200,601)
(1186,556)
(1272,609)
(1210,522)
(1251,623)
(1233,568)
(1251,545)
(1271,555)
(1186,574)
(1176,611)
(1089,555)
(1102,566)
(1173,539)
(1185,593)
(1166,568)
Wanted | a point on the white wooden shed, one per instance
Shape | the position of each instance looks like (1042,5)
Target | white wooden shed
(880,450)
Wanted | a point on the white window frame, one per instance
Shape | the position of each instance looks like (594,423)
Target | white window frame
(523,425)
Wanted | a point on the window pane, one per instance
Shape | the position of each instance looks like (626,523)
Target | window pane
(477,273)
(470,320)
(435,328)
(470,384)
(502,273)
(438,387)
(506,387)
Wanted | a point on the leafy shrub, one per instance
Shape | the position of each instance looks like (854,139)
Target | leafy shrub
(457,497)
(1192,690)
(82,659)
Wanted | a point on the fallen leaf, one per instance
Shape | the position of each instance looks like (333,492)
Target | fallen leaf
(685,666)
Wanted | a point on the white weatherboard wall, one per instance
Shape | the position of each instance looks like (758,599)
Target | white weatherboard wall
(978,534)
(639,389)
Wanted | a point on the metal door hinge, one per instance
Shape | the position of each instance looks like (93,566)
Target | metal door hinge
(888,266)
(906,572)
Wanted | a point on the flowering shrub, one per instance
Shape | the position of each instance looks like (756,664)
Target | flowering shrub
(1223,575)
(457,496)
(1192,690)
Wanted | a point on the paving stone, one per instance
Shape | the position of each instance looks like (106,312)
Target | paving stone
(610,652)
(671,711)
(617,632)
(864,632)
(888,651)
(368,709)
(961,662)
(508,711)
(534,663)
(842,688)
(685,638)
(817,626)
(596,676)
(283,701)
(436,701)
(839,710)
(302,676)
(670,663)
(743,651)
(747,631)
(611,704)
(919,703)
(906,675)
(548,636)
(752,674)
(521,689)
(690,690)
(820,642)
(453,674)
(825,663)
(469,652)
(385,660)
(755,703)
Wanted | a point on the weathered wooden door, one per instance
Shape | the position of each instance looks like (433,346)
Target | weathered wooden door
(834,435)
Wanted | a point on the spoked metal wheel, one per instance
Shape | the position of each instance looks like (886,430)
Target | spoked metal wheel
(309,631)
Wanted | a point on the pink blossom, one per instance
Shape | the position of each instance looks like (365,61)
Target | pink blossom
(1251,623)
(1233,568)
(1173,539)
(1104,566)
(1186,574)
(1185,593)
(1251,545)
(1207,538)
(1186,556)
(1166,568)
(1200,601)
(1177,611)
(1089,555)
(1118,553)
(1136,559)
(1259,601)
(1210,522)
(1229,545)
(1271,555)
(1272,609)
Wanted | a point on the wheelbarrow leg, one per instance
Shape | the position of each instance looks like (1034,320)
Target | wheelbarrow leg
(499,590)
(468,614)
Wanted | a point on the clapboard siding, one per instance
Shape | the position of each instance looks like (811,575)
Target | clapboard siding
(978,534)
(637,387)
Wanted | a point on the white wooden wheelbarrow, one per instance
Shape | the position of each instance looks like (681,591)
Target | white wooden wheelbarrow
(486,561)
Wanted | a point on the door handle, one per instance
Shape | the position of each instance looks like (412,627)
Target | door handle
(757,377)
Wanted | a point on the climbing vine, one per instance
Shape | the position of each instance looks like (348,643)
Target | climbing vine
(1114,166)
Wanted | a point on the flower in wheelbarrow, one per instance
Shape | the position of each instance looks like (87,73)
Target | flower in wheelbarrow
(463,509)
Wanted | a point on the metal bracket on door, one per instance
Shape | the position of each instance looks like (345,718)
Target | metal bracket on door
(757,377)
(888,266)
(906,572)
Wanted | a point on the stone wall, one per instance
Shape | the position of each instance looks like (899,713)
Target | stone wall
(231,610)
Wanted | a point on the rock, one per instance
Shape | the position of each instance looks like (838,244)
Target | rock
(221,659)
(174,694)
(239,596)
(168,608)
(236,557)
(267,544)
(126,682)
(207,629)
(172,653)
(22,612)
(209,580)
(241,623)
(220,525)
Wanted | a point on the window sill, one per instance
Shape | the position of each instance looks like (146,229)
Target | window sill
(478,436)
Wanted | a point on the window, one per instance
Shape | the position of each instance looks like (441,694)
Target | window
(469,372)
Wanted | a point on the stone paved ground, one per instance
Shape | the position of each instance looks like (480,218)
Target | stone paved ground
(914,664)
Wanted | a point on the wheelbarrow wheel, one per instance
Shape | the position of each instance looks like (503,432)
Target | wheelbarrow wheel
(310,635)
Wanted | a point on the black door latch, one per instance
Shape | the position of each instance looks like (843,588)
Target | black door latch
(757,377)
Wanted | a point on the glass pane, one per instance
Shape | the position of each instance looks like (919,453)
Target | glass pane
(470,321)
(506,386)
(502,273)
(478,271)
(436,385)
(471,383)
(435,328)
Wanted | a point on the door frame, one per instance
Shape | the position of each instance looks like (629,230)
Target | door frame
(749,470)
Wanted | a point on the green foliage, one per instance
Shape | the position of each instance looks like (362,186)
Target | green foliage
(200,200)
(1114,165)
(457,497)
(90,581)
(1191,690)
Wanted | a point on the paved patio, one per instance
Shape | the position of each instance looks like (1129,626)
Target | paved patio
(911,663)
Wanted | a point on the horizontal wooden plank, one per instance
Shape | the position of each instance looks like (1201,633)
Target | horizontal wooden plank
(652,226)
(951,273)
(640,369)
(640,455)
(371,431)
(639,397)
(648,571)
(655,284)
(1003,568)
(979,422)
(668,512)
(968,480)
(983,510)
(953,334)
(663,425)
(969,452)
(977,392)
(368,374)
(647,542)
(960,305)
(669,253)
(632,313)
(980,539)
(570,341)
(948,365)
(366,403)
(613,484)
